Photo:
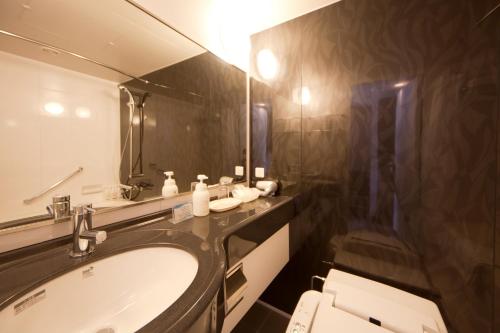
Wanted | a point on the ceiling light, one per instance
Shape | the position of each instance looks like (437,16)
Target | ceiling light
(401,84)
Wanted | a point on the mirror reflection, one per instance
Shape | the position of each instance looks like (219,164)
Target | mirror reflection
(197,126)
(105,127)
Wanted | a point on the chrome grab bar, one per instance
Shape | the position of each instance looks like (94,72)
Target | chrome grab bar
(74,173)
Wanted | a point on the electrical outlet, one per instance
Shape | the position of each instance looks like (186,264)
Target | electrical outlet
(239,170)
(259,172)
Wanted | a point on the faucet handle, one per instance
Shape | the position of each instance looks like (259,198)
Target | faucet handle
(50,210)
(83,209)
(88,209)
(96,237)
(100,236)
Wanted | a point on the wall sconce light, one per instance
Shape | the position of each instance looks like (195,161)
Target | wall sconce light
(267,64)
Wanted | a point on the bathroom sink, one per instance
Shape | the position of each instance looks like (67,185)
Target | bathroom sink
(121,293)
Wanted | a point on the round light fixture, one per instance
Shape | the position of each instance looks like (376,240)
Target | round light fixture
(267,64)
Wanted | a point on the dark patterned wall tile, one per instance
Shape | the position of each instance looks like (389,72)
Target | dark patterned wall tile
(497,243)
(496,310)
(398,110)
(197,126)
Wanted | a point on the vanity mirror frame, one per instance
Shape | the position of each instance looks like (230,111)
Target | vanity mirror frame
(47,219)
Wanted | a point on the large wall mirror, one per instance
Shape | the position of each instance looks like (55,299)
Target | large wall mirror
(99,99)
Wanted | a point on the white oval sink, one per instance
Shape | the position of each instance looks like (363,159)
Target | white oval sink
(117,294)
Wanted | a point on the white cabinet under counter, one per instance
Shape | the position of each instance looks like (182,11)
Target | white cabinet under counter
(247,279)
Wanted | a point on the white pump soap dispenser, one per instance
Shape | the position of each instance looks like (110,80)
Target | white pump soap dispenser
(169,188)
(201,198)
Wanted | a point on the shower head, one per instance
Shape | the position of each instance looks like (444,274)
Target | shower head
(142,101)
(130,98)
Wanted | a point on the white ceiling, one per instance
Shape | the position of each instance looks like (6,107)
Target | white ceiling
(224,26)
(112,32)
(116,33)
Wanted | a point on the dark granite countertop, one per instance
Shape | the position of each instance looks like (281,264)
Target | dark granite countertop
(205,237)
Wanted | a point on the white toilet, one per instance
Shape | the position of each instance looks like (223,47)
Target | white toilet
(349,303)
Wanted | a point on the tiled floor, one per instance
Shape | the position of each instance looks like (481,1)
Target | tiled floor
(263,318)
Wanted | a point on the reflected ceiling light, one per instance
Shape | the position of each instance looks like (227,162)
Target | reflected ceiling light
(136,120)
(53,108)
(267,64)
(301,95)
(401,84)
(82,112)
(305,96)
(11,123)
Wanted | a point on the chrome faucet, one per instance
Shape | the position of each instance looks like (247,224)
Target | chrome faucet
(84,239)
(60,209)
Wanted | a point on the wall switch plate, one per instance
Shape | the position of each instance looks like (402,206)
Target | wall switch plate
(239,170)
(259,172)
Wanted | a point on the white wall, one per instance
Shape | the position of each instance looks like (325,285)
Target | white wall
(37,148)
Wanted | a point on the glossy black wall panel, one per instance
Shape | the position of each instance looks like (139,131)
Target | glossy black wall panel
(393,146)
(497,301)
(198,125)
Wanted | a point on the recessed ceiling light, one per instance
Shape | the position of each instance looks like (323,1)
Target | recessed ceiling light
(26,6)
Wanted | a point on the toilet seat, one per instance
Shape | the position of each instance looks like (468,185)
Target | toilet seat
(349,303)
(332,319)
